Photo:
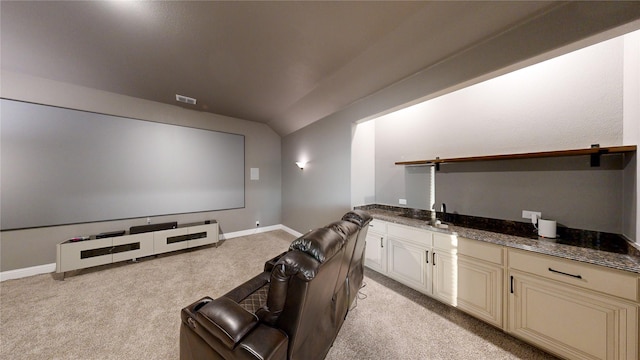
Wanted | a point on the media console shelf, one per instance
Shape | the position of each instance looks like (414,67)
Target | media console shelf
(74,255)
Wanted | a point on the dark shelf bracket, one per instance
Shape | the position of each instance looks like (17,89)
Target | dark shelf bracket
(595,157)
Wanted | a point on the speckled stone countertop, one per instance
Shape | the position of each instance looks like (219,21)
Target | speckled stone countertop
(541,246)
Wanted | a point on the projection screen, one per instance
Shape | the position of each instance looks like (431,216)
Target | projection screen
(62,166)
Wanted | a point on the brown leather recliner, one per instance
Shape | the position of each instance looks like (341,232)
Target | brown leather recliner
(293,310)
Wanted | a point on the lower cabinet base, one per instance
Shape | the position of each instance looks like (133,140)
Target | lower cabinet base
(572,323)
(565,307)
(480,290)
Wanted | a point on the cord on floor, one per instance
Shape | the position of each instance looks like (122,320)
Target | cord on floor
(360,295)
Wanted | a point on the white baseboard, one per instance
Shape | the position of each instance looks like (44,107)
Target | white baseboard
(25,272)
(236,234)
(290,231)
(49,268)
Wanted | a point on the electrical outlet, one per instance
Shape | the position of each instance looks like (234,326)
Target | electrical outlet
(402,201)
(533,215)
(148,220)
(257,223)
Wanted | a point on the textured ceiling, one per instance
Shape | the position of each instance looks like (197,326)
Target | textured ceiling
(286,64)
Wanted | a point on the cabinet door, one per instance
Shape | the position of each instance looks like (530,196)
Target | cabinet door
(445,278)
(479,290)
(572,322)
(408,263)
(375,254)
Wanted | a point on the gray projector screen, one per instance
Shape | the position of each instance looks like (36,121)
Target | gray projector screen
(60,166)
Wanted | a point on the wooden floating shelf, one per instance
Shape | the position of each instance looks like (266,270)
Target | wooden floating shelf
(593,151)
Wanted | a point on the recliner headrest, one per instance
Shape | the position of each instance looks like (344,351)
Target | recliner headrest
(344,228)
(321,244)
(358,217)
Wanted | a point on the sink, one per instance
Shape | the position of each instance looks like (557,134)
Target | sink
(415,217)
(426,219)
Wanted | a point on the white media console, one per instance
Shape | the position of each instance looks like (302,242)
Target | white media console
(74,255)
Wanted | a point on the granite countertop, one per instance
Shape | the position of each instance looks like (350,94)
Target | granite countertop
(541,246)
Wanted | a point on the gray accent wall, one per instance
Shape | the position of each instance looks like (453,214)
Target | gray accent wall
(565,189)
(33,247)
(321,193)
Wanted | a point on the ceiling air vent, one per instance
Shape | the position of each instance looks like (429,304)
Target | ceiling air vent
(185,99)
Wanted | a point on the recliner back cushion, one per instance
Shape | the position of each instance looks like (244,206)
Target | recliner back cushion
(321,244)
(304,259)
(344,228)
(356,267)
(358,217)
(308,313)
(292,264)
(349,231)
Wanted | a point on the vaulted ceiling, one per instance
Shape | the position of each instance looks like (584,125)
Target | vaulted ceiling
(286,64)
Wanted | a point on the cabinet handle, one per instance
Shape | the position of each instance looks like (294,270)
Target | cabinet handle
(433,258)
(381,244)
(511,286)
(564,273)
(427,256)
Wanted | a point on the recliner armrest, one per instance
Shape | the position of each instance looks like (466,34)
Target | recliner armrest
(268,266)
(226,321)
(250,286)
(190,311)
(201,336)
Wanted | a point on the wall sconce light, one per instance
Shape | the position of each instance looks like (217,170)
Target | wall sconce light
(301,164)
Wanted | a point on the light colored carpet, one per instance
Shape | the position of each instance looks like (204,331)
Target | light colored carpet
(132,311)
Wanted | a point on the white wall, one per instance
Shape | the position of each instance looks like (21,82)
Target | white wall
(363,150)
(631,131)
(33,247)
(568,102)
(571,101)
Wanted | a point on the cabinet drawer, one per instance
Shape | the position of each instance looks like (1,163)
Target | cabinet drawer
(378,226)
(481,250)
(423,237)
(448,243)
(587,276)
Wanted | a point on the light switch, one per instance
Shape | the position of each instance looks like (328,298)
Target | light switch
(255,174)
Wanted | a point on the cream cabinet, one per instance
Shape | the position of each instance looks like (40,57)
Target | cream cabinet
(444,261)
(574,310)
(421,259)
(375,253)
(568,308)
(480,272)
(408,256)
